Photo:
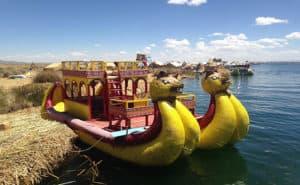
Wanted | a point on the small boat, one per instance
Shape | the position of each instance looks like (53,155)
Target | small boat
(108,107)
(240,69)
(16,76)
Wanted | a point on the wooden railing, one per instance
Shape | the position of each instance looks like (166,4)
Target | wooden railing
(130,108)
(129,69)
(126,69)
(84,66)
(189,100)
(131,65)
(102,65)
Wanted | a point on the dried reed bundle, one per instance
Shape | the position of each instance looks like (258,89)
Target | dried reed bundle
(32,147)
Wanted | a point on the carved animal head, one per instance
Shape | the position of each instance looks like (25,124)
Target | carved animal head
(216,80)
(165,87)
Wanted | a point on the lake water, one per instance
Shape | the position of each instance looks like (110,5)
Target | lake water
(270,154)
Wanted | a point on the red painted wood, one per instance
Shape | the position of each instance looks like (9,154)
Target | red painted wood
(89,101)
(206,119)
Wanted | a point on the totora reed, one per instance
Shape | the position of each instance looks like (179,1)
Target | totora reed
(31,148)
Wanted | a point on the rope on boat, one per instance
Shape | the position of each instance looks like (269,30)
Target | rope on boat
(89,148)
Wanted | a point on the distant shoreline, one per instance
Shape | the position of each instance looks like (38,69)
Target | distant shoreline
(274,62)
(44,63)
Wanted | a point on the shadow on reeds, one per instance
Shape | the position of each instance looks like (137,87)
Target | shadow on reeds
(225,166)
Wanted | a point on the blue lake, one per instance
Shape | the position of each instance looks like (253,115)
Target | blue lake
(270,154)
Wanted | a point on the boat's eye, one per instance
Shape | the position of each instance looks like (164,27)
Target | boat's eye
(165,81)
(214,77)
(208,73)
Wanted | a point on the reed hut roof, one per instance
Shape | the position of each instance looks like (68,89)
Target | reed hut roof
(53,67)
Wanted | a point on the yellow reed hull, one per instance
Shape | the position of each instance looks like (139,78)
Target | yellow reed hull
(163,150)
(229,124)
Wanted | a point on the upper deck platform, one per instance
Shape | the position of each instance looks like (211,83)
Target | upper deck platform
(98,69)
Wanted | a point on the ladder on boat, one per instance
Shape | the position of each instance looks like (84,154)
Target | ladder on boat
(113,90)
(114,86)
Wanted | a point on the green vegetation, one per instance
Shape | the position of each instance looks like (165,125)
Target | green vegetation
(10,68)
(30,94)
(21,97)
(174,70)
(16,95)
(47,76)
(4,100)
(235,72)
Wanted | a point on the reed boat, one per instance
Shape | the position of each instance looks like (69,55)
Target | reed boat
(226,120)
(107,105)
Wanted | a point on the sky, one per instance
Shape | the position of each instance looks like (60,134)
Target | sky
(167,30)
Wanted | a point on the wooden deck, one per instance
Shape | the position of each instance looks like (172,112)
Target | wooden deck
(121,125)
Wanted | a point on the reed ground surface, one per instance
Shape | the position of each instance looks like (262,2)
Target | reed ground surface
(30,147)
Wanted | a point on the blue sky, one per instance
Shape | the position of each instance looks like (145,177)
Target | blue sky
(185,30)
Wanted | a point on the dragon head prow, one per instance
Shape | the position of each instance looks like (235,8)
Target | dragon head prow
(216,80)
(165,87)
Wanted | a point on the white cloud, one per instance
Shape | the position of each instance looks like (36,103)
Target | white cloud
(233,47)
(177,44)
(218,34)
(153,45)
(200,45)
(97,45)
(232,42)
(241,36)
(114,56)
(147,50)
(241,42)
(294,35)
(229,47)
(30,57)
(188,2)
(273,42)
(262,21)
(69,56)
(123,52)
(45,57)
(78,54)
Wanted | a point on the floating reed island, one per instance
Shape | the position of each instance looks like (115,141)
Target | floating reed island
(31,147)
